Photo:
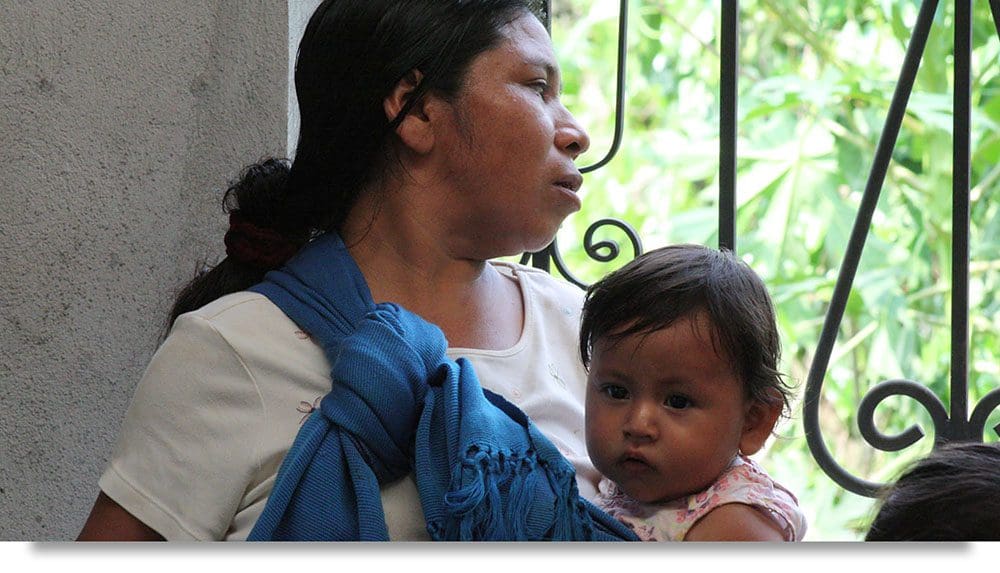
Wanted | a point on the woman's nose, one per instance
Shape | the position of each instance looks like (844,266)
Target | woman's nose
(570,135)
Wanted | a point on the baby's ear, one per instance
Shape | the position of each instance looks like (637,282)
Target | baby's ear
(758,423)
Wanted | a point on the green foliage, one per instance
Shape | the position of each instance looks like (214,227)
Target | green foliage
(815,81)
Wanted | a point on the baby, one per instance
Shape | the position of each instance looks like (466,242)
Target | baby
(951,494)
(682,350)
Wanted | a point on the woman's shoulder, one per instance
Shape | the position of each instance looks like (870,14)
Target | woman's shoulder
(253,329)
(241,376)
(236,308)
(242,319)
(541,282)
(552,305)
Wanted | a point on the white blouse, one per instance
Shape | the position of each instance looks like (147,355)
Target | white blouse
(223,398)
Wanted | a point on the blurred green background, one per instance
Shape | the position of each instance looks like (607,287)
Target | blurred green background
(815,81)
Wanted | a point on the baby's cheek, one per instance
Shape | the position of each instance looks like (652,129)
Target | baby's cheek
(597,440)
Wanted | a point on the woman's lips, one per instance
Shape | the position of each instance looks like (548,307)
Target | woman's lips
(573,182)
(569,186)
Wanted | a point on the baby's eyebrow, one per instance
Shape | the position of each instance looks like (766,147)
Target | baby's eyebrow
(674,381)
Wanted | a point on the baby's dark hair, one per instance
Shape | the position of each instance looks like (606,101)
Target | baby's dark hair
(665,285)
(952,494)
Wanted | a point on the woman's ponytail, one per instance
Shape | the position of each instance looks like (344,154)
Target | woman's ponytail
(262,235)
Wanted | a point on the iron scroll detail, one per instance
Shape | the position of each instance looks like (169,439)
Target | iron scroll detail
(945,428)
(953,425)
(603,251)
(619,90)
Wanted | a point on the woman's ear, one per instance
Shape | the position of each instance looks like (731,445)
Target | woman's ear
(758,423)
(414,130)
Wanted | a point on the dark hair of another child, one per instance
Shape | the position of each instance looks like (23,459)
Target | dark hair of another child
(665,285)
(352,56)
(952,494)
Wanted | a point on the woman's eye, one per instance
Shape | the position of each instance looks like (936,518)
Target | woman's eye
(615,392)
(679,402)
(540,86)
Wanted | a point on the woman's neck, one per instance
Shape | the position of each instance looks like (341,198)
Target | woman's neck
(414,265)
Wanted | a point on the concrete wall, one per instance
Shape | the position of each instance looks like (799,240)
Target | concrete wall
(120,124)
(299,12)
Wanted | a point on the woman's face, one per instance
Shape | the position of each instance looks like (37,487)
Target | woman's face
(508,150)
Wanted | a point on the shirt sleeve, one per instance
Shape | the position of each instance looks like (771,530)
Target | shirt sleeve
(747,483)
(185,453)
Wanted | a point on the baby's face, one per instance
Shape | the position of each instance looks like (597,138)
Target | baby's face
(665,412)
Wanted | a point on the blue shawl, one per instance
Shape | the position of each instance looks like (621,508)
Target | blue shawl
(399,404)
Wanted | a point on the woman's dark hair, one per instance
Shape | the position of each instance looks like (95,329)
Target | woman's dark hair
(352,55)
(676,282)
(952,494)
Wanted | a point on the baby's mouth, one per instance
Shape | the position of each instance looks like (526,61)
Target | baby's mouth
(635,463)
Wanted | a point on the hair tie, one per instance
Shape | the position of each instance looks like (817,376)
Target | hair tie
(257,246)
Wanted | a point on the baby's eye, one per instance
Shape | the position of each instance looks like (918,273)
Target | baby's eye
(678,401)
(615,392)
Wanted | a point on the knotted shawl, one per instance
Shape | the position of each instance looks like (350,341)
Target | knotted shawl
(399,404)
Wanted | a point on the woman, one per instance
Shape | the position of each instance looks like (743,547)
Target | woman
(432,140)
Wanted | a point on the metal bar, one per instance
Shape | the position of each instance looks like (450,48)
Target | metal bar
(909,436)
(543,259)
(856,243)
(982,411)
(728,97)
(619,90)
(961,152)
(995,7)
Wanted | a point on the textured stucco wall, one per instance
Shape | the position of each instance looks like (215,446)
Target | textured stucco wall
(120,124)
(299,12)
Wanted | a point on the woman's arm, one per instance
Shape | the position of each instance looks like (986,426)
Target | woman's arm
(109,521)
(735,522)
(188,448)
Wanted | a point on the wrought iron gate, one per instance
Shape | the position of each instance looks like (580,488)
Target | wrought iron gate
(955,424)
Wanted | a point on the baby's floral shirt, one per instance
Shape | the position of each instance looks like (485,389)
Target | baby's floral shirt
(742,482)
